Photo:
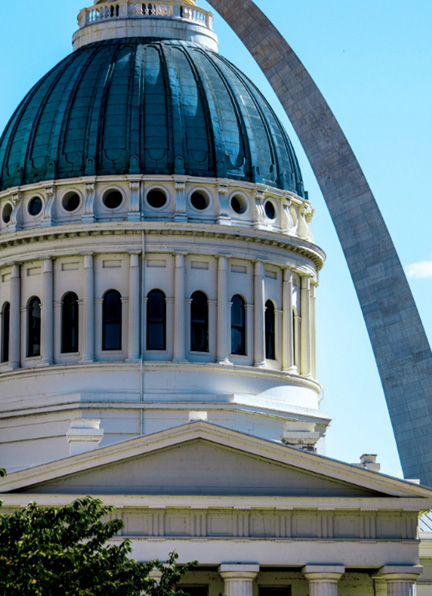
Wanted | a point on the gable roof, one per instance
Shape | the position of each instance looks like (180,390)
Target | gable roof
(239,449)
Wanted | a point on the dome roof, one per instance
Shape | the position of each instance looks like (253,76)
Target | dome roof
(146,106)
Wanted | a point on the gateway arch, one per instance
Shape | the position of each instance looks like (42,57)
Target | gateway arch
(399,342)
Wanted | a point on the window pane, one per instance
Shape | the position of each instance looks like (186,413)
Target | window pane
(156,321)
(34,328)
(111,321)
(5,332)
(70,324)
(238,326)
(270,331)
(199,323)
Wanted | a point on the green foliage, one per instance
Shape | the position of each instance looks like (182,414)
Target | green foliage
(64,551)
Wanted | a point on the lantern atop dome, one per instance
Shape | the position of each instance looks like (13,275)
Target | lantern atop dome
(163,19)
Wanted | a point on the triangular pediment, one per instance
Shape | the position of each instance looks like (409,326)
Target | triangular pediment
(200,467)
(205,459)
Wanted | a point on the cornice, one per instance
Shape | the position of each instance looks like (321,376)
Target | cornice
(258,237)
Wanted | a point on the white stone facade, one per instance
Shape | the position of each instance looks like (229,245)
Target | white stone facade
(214,451)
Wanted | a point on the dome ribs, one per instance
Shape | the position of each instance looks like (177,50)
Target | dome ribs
(195,131)
(157,150)
(41,129)
(146,106)
(174,110)
(64,121)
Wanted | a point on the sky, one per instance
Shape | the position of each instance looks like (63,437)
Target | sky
(371,60)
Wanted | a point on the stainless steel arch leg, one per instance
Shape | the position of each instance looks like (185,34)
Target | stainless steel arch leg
(398,339)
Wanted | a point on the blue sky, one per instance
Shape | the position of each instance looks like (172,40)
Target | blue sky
(372,62)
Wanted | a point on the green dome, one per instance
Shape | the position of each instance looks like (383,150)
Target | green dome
(146,106)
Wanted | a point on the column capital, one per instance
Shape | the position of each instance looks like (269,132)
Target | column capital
(327,573)
(239,571)
(400,572)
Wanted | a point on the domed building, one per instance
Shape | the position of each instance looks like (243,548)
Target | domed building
(157,297)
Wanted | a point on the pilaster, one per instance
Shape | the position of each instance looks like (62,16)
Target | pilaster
(48,313)
(223,323)
(179,308)
(305,329)
(259,341)
(89,327)
(134,307)
(15,317)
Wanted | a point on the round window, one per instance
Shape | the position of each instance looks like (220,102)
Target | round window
(113,199)
(6,213)
(35,206)
(239,204)
(200,200)
(71,201)
(156,198)
(270,210)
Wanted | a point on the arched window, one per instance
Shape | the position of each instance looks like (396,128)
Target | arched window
(112,321)
(34,328)
(5,332)
(199,323)
(238,326)
(156,320)
(270,330)
(70,323)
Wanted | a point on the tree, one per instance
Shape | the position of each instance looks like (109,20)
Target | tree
(48,551)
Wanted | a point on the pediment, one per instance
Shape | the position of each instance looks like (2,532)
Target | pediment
(200,467)
(204,459)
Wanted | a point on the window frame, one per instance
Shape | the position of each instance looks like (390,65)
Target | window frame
(116,323)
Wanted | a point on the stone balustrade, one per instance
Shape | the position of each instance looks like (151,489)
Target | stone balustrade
(135,10)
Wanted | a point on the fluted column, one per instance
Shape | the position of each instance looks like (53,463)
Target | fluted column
(223,322)
(259,340)
(179,310)
(238,579)
(287,323)
(313,330)
(134,307)
(89,340)
(400,579)
(305,329)
(48,313)
(15,318)
(323,579)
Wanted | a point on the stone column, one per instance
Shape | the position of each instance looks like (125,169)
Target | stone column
(401,579)
(323,579)
(15,318)
(223,322)
(305,330)
(238,579)
(259,341)
(134,307)
(287,324)
(48,313)
(313,330)
(179,310)
(89,327)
